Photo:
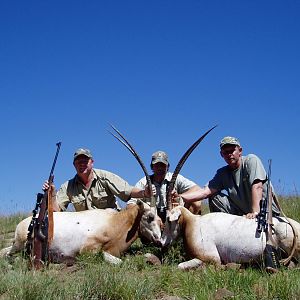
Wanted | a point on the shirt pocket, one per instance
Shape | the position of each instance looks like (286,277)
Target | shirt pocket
(79,203)
(100,198)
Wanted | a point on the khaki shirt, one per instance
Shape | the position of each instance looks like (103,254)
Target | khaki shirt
(104,189)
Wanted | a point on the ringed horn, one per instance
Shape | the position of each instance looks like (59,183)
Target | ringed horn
(125,142)
(179,166)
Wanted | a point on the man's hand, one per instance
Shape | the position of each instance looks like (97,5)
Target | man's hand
(46,186)
(174,196)
(147,191)
(251,215)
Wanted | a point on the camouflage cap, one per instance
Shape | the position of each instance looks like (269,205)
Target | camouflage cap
(160,156)
(229,140)
(82,151)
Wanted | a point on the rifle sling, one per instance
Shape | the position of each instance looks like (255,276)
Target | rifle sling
(295,238)
(284,261)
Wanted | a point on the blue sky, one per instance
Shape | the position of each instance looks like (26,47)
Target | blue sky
(163,72)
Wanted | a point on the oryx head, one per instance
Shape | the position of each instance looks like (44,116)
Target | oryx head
(172,227)
(151,217)
(150,221)
(150,226)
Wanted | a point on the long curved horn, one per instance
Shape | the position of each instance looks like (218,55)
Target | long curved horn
(180,164)
(125,142)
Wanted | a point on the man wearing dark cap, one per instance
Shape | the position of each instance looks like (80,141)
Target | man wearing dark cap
(243,178)
(93,188)
(160,178)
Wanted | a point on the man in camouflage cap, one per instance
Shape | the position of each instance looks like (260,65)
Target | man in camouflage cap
(229,140)
(93,188)
(160,156)
(160,179)
(245,181)
(82,151)
(243,178)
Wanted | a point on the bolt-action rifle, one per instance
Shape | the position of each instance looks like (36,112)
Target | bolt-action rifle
(40,230)
(262,224)
(265,224)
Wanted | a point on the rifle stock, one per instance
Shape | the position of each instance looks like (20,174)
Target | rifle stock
(265,223)
(38,252)
(41,227)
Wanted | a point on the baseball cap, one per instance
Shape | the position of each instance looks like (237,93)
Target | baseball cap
(229,140)
(82,151)
(159,156)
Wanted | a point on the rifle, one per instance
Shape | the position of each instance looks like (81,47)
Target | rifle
(262,224)
(40,230)
(265,224)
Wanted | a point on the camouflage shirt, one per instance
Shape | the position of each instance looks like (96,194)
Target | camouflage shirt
(102,193)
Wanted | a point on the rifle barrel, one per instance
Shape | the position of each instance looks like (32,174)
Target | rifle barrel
(54,162)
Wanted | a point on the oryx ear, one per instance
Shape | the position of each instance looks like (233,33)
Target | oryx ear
(146,206)
(174,215)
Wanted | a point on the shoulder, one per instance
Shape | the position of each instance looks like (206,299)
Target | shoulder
(221,174)
(141,182)
(109,177)
(251,156)
(69,182)
(223,170)
(104,174)
(100,173)
(169,176)
(252,163)
(66,183)
(251,159)
(181,178)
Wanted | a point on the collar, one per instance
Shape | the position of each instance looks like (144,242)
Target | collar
(167,178)
(77,178)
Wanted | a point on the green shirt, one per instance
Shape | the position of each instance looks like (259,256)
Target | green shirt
(104,189)
(238,183)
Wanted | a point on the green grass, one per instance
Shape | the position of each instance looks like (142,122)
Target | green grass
(291,206)
(8,223)
(7,228)
(92,278)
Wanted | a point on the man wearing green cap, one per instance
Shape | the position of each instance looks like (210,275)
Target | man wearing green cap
(160,179)
(244,180)
(93,188)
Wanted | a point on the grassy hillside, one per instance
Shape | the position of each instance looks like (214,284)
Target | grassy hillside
(92,278)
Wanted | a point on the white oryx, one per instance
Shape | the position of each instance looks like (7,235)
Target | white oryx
(101,230)
(222,238)
(93,231)
(194,207)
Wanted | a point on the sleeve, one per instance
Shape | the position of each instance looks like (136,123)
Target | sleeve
(183,184)
(118,186)
(140,184)
(255,169)
(62,198)
(217,183)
